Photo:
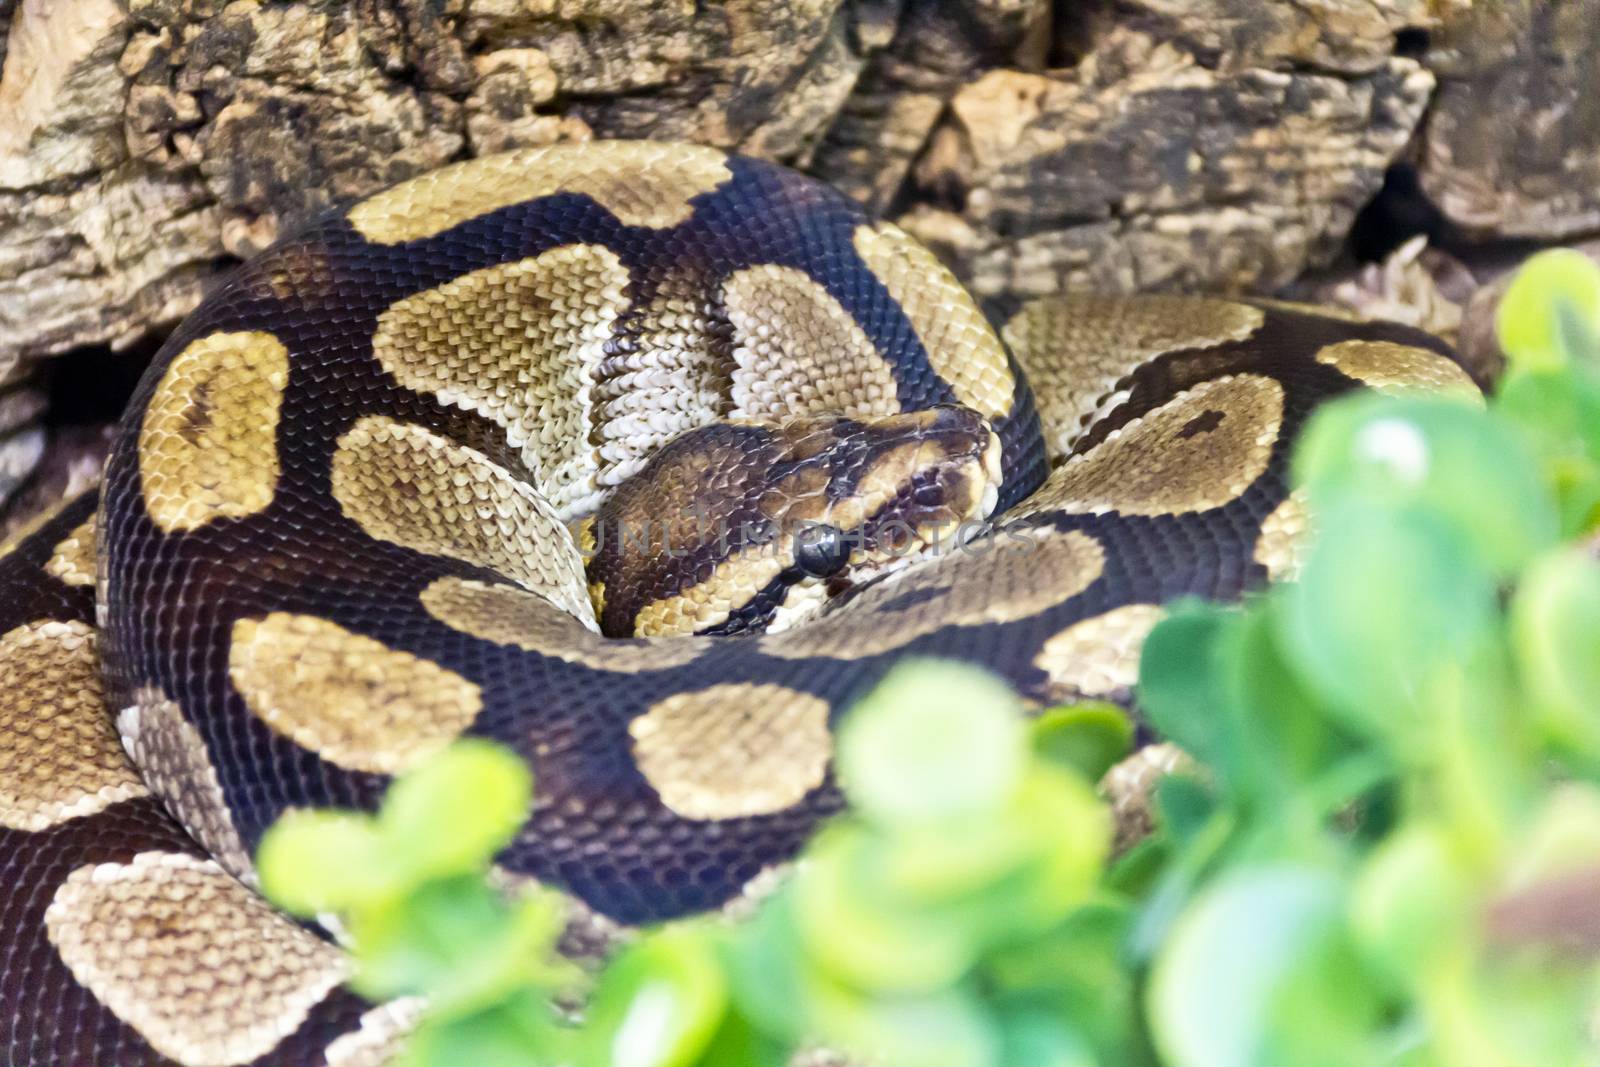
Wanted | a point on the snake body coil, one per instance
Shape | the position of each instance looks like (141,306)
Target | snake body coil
(360,502)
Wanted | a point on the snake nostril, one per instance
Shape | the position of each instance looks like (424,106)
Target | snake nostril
(927,492)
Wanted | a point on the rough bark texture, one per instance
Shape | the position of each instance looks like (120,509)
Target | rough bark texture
(1146,169)
(1039,145)
(902,93)
(1512,142)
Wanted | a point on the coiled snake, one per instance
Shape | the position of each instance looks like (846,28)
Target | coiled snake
(409,475)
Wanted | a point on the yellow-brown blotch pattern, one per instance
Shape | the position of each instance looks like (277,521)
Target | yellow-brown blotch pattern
(1009,578)
(733,750)
(1078,350)
(381,1037)
(510,615)
(208,444)
(642,183)
(72,562)
(1285,538)
(409,486)
(1098,657)
(710,601)
(59,756)
(799,352)
(961,345)
(172,757)
(350,699)
(200,966)
(1200,450)
(520,343)
(1389,368)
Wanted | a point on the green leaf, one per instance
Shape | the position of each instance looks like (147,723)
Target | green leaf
(662,1003)
(517,951)
(1512,1009)
(769,975)
(1185,806)
(1558,415)
(1039,1039)
(323,861)
(1214,680)
(867,937)
(1387,600)
(426,941)
(1234,953)
(949,1028)
(932,741)
(932,868)
(1049,844)
(1078,973)
(454,812)
(910,913)
(1550,315)
(1555,634)
(509,1036)
(1461,466)
(1182,686)
(1411,902)
(1137,870)
(1089,737)
(1562,837)
(1283,735)
(1072,828)
(739,1044)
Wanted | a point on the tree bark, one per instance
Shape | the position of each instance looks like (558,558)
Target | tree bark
(1037,145)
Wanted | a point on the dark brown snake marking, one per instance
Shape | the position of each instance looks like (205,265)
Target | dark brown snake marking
(342,526)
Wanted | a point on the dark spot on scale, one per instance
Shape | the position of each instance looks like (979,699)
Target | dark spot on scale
(1201,424)
(197,413)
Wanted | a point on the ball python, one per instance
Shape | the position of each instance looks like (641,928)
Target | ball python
(642,459)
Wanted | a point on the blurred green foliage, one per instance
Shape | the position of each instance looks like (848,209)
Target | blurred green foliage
(409,887)
(1391,857)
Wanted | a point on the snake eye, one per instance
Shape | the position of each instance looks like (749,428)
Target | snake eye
(821,550)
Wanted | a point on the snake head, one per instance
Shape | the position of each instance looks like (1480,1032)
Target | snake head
(736,527)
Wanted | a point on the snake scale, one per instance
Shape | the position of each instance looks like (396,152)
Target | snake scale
(386,486)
